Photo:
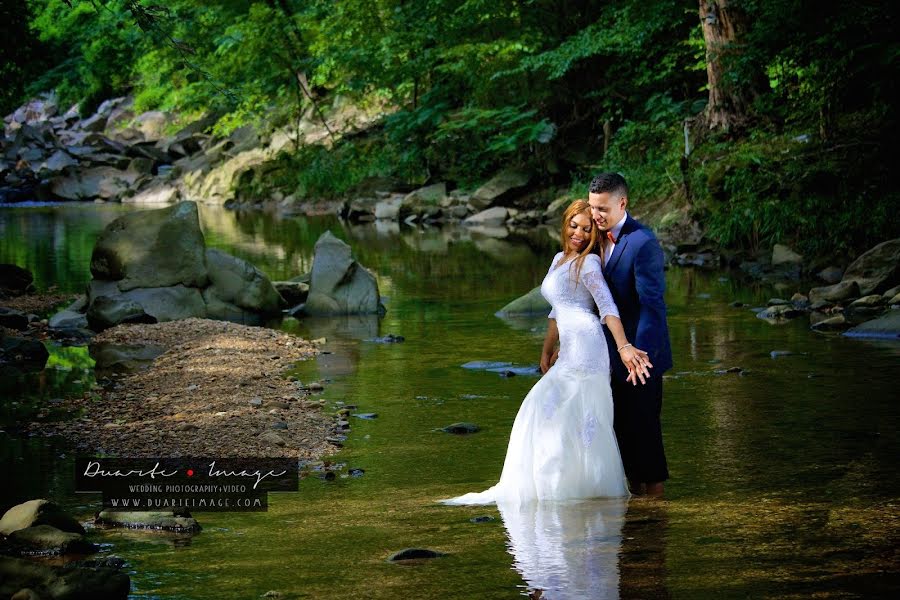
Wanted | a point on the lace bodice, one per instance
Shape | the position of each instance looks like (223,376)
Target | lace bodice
(576,304)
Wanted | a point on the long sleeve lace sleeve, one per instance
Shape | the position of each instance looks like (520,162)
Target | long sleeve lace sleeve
(592,278)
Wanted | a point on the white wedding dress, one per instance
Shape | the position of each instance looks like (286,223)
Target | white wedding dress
(562,444)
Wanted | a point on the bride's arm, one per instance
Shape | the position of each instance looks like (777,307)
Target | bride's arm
(550,341)
(636,360)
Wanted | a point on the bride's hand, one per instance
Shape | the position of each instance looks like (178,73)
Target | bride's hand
(637,362)
(547,360)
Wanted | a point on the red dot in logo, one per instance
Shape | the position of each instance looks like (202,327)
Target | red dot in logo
(190,472)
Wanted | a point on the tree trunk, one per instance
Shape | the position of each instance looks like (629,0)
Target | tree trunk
(724,26)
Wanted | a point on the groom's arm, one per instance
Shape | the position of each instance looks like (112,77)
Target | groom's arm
(650,283)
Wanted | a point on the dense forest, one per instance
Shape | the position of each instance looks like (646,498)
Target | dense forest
(765,120)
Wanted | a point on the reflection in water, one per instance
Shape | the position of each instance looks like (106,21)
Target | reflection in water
(643,556)
(567,550)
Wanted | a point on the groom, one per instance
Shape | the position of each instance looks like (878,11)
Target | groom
(633,267)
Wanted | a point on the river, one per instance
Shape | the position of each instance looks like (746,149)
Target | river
(784,476)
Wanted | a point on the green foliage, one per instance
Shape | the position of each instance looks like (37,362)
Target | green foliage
(473,85)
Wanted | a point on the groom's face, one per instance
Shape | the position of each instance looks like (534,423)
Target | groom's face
(607,209)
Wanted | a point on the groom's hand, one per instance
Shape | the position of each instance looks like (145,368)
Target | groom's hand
(637,362)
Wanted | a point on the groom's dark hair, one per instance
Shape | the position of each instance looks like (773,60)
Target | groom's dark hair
(609,182)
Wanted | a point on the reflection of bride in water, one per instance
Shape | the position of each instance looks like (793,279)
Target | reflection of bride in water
(569,550)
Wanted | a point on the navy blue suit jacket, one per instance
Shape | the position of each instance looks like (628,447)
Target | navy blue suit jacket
(635,276)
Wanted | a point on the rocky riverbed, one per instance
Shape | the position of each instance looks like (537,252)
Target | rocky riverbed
(215,389)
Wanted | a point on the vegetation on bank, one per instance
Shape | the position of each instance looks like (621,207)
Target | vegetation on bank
(765,121)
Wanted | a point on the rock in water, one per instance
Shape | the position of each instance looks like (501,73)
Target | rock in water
(152,248)
(38,512)
(532,303)
(237,282)
(885,327)
(338,284)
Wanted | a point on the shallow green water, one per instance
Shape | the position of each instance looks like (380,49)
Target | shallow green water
(783,478)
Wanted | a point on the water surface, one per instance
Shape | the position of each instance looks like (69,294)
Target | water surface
(784,477)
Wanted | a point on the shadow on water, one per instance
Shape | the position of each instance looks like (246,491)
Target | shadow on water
(784,472)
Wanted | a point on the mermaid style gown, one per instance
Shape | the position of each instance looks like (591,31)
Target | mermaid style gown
(562,444)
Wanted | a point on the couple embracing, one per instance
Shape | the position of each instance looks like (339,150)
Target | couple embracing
(590,427)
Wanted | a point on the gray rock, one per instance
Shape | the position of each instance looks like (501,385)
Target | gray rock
(105,183)
(339,284)
(168,520)
(503,186)
(884,327)
(58,161)
(168,303)
(109,311)
(389,208)
(123,358)
(877,269)
(868,301)
(490,217)
(236,281)
(838,292)
(38,512)
(461,428)
(532,303)
(414,554)
(830,275)
(428,195)
(782,254)
(835,323)
(272,438)
(68,319)
(152,248)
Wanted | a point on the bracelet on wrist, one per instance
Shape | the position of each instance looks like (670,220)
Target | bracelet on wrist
(620,348)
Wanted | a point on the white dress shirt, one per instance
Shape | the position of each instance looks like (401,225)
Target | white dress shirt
(616,230)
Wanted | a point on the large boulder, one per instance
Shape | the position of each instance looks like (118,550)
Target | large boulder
(496,215)
(38,512)
(886,326)
(152,248)
(499,188)
(877,269)
(339,284)
(235,281)
(532,303)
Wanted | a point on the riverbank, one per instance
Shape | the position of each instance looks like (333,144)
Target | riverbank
(216,389)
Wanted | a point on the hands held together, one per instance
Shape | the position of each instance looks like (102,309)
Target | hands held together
(636,361)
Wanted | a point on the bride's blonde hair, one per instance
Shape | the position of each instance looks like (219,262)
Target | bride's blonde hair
(576,208)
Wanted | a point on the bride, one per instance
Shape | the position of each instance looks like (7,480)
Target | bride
(562,444)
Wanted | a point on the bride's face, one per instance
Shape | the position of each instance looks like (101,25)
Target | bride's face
(578,232)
